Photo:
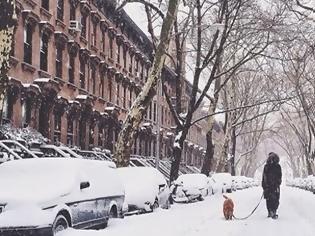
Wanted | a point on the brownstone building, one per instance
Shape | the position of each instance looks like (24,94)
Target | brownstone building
(76,67)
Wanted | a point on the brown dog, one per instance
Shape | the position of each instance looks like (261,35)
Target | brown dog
(228,208)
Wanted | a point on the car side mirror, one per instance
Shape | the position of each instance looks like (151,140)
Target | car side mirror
(84,185)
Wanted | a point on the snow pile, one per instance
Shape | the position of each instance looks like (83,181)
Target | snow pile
(28,134)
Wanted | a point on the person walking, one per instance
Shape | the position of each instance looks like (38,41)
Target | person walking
(271,181)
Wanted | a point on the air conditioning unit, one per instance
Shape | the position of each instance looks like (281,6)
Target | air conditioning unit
(75,25)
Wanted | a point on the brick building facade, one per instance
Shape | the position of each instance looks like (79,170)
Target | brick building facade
(76,67)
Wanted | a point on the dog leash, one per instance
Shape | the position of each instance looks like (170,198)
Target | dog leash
(244,218)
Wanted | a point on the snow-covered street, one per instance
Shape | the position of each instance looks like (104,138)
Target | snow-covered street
(296,217)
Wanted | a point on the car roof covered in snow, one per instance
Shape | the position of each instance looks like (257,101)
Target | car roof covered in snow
(45,179)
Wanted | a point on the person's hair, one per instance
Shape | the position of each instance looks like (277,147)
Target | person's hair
(273,158)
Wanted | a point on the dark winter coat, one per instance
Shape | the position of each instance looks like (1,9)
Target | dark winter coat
(272,176)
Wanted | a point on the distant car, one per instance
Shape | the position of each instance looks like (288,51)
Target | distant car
(224,180)
(145,189)
(190,187)
(43,196)
(13,150)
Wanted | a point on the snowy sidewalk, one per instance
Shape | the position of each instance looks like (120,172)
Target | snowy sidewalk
(296,217)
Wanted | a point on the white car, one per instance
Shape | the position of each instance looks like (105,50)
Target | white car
(190,187)
(42,196)
(146,189)
(224,180)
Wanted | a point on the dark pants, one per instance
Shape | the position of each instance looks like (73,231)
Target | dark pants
(272,200)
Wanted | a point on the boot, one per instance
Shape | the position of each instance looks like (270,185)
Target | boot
(274,215)
(269,213)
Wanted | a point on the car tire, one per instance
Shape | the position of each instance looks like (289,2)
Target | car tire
(61,223)
(113,212)
(200,198)
(155,204)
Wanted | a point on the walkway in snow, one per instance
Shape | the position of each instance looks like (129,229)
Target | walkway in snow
(296,217)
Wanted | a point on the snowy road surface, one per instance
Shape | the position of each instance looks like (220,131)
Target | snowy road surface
(296,217)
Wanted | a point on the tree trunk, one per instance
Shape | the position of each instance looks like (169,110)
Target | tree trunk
(233,150)
(208,159)
(135,116)
(177,152)
(7,23)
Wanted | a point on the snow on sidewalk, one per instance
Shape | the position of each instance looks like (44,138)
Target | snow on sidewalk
(296,217)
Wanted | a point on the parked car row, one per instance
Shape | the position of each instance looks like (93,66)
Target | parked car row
(84,189)
(14,150)
(192,187)
(307,183)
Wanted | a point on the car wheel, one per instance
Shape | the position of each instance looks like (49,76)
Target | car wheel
(200,198)
(155,204)
(60,224)
(113,212)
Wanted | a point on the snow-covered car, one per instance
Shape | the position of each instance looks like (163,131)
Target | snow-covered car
(13,150)
(145,189)
(190,187)
(224,180)
(42,196)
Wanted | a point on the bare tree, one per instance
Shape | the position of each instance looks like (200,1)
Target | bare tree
(140,105)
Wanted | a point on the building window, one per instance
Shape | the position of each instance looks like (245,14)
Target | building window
(118,94)
(59,62)
(70,132)
(150,111)
(111,52)
(72,12)
(94,34)
(57,128)
(136,67)
(101,89)
(82,74)
(162,115)
(60,10)
(93,76)
(125,58)
(44,52)
(103,41)
(83,26)
(28,37)
(130,101)
(125,96)
(110,90)
(45,4)
(71,69)
(130,65)
(154,112)
(118,54)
